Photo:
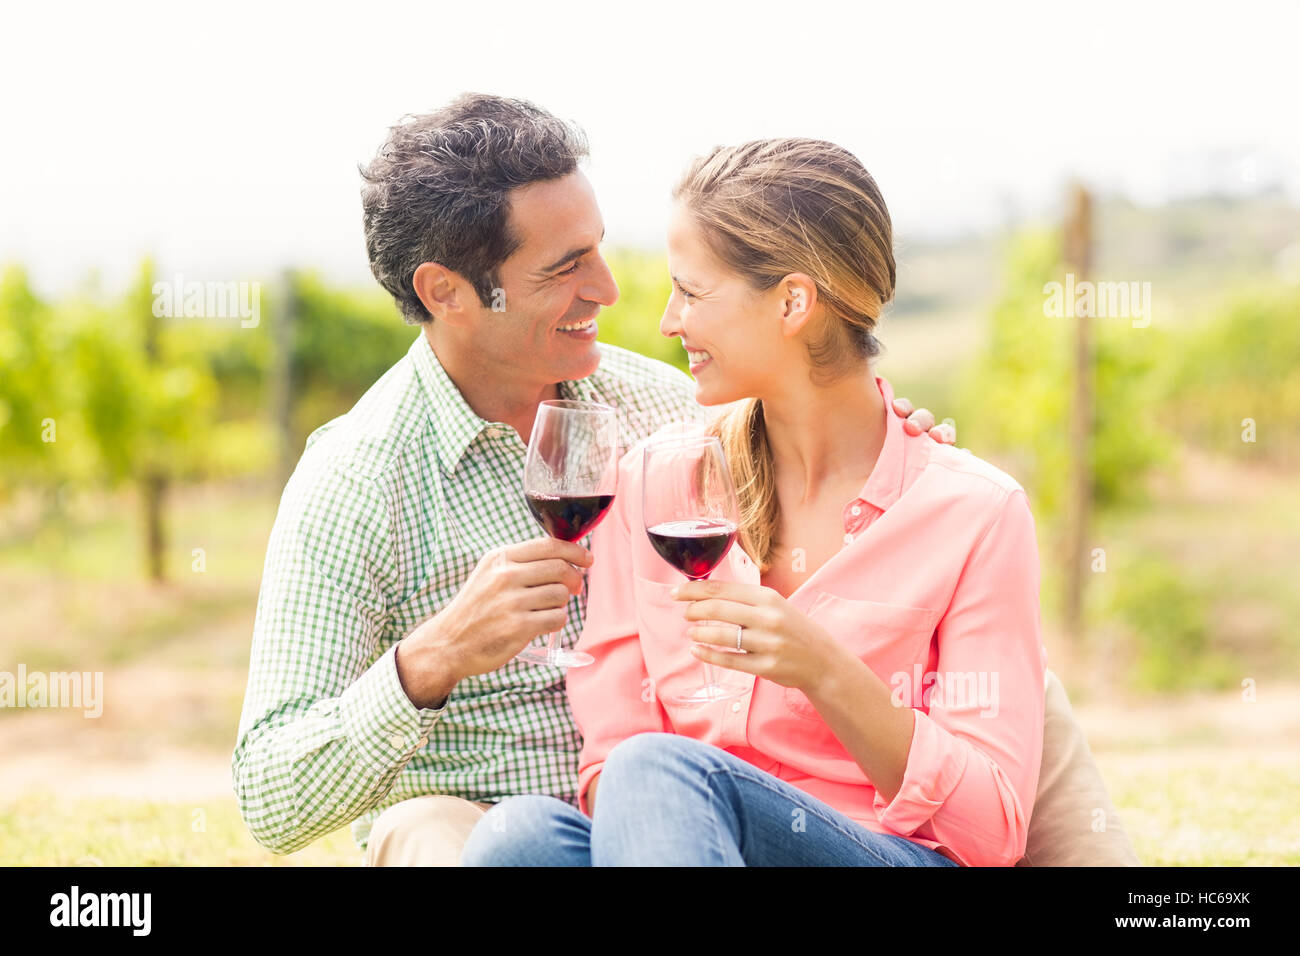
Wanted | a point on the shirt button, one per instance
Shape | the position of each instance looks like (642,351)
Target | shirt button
(424,741)
(848,538)
(735,707)
(856,510)
(397,741)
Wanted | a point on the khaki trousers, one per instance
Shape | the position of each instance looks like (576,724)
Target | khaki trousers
(423,831)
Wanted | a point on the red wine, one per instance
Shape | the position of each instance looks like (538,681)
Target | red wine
(695,546)
(568,517)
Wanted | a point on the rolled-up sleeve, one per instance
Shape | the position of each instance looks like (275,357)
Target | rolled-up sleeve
(972,770)
(613,698)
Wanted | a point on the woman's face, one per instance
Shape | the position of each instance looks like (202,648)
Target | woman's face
(732,334)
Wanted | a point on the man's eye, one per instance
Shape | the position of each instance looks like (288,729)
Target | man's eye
(569,271)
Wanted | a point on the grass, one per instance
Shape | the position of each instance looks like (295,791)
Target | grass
(52,829)
(1202,807)
(1218,809)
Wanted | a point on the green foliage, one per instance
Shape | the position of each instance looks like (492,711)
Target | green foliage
(633,322)
(343,340)
(239,360)
(27,371)
(1242,364)
(35,400)
(145,413)
(1016,395)
(240,438)
(108,370)
(1166,619)
(98,393)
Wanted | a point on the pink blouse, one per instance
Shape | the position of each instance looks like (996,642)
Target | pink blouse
(935,589)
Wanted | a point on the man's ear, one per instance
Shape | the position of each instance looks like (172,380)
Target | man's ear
(798,302)
(445,294)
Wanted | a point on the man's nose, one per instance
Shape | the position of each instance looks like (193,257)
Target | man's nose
(601,287)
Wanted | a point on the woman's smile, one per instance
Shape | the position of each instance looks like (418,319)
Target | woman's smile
(697,360)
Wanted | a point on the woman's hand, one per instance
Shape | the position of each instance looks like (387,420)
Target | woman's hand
(789,648)
(782,644)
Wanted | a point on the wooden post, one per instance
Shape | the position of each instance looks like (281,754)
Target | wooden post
(153,482)
(1078,260)
(282,380)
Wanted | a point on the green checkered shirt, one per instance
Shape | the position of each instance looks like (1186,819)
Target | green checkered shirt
(388,511)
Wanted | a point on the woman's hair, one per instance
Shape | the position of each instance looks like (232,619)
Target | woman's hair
(770,208)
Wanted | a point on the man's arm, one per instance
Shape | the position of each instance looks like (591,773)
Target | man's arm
(324,731)
(324,734)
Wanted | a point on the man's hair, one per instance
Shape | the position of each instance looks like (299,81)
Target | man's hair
(438,190)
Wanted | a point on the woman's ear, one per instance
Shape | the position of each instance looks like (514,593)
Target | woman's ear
(798,302)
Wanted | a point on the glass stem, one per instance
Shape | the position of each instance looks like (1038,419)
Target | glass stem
(710,670)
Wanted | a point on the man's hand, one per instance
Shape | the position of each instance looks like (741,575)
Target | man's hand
(514,594)
(922,420)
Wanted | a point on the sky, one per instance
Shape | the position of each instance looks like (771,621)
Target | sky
(223,139)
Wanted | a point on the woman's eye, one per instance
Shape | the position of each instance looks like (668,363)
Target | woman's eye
(685,295)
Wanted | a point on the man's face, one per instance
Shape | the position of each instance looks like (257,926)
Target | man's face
(554,284)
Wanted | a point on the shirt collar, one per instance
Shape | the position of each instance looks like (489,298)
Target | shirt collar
(458,424)
(885,483)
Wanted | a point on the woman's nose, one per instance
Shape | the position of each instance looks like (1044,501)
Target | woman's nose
(669,325)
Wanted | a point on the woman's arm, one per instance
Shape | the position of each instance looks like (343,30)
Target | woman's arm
(857,706)
(964,773)
(972,769)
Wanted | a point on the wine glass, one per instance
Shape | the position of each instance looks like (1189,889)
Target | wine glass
(570,477)
(691,517)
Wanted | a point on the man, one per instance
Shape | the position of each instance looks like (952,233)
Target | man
(404,572)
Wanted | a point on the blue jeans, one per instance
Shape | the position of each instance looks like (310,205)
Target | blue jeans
(667,800)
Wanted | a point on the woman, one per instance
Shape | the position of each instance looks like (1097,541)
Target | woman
(885,602)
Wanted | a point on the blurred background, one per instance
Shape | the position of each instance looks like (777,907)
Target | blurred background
(1142,149)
